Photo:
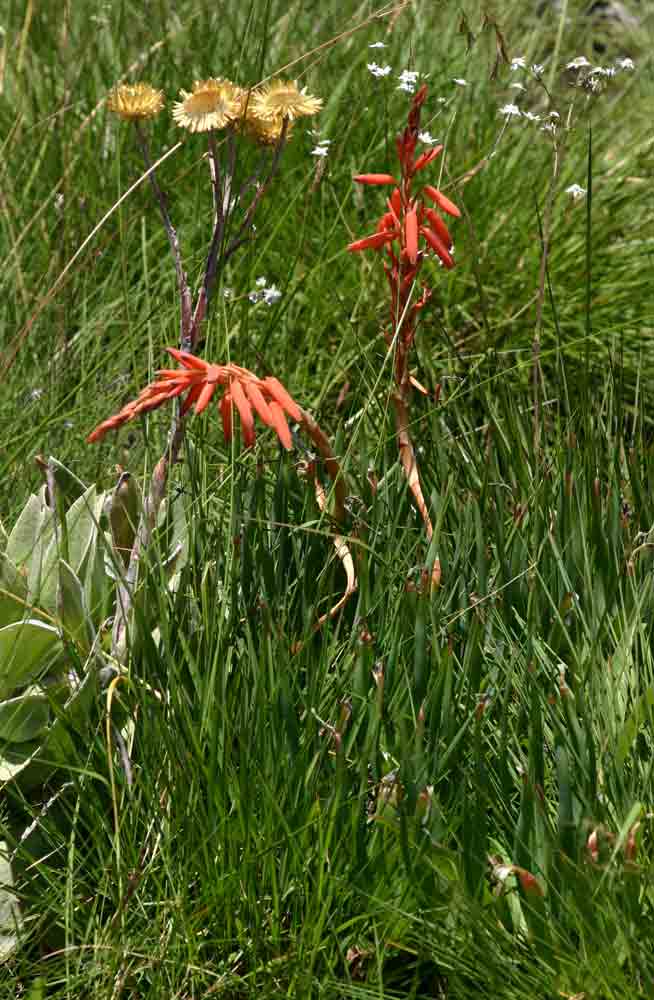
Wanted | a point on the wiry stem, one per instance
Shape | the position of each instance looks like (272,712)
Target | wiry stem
(171,232)
(332,464)
(261,190)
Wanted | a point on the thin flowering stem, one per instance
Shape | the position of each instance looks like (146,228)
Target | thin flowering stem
(542,275)
(171,232)
(218,253)
(262,189)
(216,187)
(408,232)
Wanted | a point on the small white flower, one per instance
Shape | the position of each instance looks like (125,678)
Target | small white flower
(537,69)
(579,63)
(377,45)
(511,111)
(575,191)
(442,100)
(68,425)
(35,394)
(517,86)
(261,282)
(408,79)
(530,116)
(271,295)
(625,63)
(379,71)
(518,63)
(427,138)
(460,82)
(227,293)
(601,71)
(320,151)
(254,297)
(554,114)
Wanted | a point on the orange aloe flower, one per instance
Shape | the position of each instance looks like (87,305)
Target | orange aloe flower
(409,218)
(265,397)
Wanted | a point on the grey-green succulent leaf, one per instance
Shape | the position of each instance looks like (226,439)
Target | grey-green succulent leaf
(13,592)
(27,649)
(72,609)
(26,717)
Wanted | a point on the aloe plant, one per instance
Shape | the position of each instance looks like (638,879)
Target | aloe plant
(62,561)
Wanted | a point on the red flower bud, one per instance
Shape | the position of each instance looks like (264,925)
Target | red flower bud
(411,235)
(426,158)
(437,246)
(444,203)
(375,179)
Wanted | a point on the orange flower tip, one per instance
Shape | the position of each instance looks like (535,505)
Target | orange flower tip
(411,235)
(387,221)
(373,242)
(425,158)
(439,227)
(375,179)
(444,203)
(281,397)
(529,883)
(187,359)
(438,247)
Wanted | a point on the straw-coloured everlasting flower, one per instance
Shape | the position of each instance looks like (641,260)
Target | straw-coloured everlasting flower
(268,133)
(199,380)
(281,99)
(212,104)
(135,101)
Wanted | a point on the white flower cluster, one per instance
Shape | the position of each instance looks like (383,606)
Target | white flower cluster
(552,122)
(581,63)
(321,148)
(408,79)
(521,63)
(268,295)
(575,191)
(513,111)
(378,71)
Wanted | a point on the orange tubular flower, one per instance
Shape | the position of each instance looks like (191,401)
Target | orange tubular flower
(375,179)
(375,241)
(442,202)
(409,219)
(266,397)
(411,235)
(407,234)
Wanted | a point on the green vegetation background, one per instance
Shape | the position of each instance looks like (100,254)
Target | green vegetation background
(269,858)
